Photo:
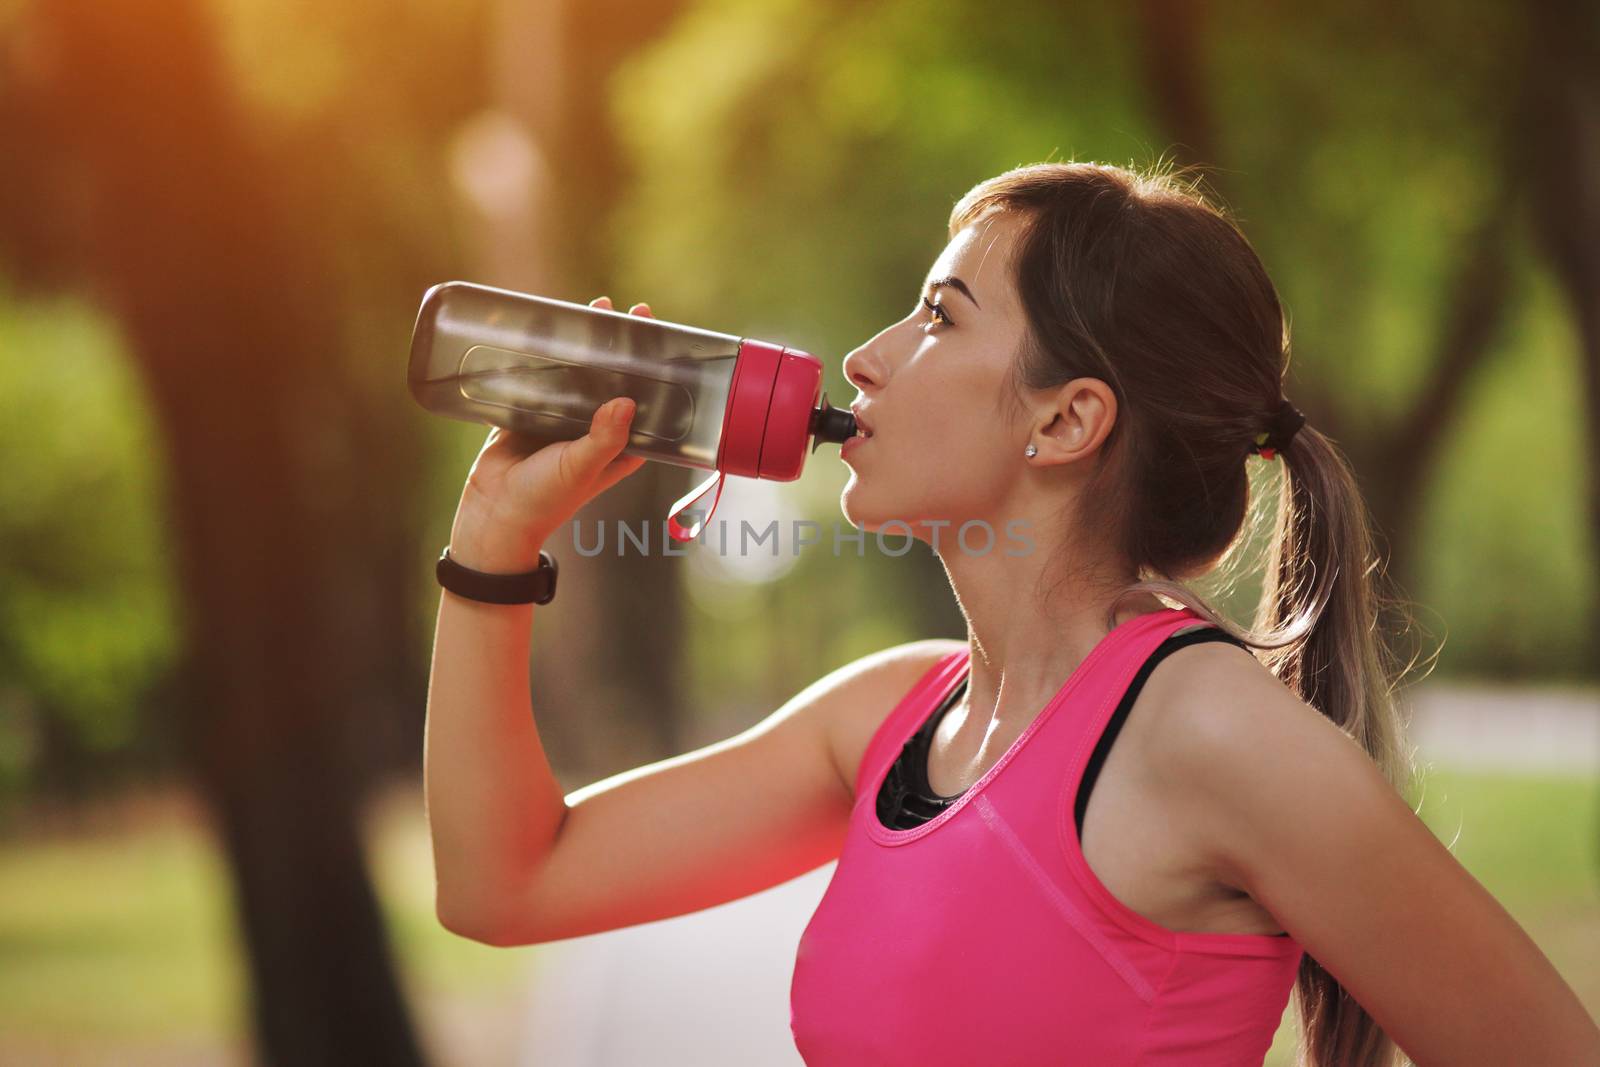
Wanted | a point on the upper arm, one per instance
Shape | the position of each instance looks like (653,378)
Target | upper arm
(715,824)
(1304,821)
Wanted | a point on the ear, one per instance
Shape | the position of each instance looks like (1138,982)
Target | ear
(1075,425)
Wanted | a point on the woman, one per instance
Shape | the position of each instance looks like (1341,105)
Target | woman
(1094,359)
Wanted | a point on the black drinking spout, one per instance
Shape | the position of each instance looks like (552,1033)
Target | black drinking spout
(829,423)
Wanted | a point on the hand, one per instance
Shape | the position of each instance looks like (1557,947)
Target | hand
(515,498)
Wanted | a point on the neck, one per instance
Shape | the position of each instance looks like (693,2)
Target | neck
(1028,629)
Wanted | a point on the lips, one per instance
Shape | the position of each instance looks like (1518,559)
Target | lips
(863,428)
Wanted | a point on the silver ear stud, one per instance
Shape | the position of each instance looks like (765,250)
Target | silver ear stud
(1031,451)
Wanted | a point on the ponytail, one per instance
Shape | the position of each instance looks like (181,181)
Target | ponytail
(1317,627)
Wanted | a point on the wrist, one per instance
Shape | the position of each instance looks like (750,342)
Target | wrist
(495,551)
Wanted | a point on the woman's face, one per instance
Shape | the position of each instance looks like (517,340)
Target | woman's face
(932,388)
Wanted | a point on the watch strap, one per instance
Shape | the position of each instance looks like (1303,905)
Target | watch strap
(532,587)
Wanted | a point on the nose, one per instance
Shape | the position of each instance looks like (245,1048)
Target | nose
(862,368)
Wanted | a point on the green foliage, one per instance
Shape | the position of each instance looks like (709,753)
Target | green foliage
(1508,550)
(796,163)
(86,615)
(801,160)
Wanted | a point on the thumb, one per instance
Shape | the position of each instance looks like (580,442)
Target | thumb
(608,433)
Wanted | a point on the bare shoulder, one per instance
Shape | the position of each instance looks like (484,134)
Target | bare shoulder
(1215,699)
(1229,744)
(1317,835)
(872,687)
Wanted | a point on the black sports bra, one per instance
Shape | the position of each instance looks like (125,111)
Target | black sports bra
(905,799)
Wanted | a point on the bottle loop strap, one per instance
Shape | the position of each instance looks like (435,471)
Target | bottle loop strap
(679,510)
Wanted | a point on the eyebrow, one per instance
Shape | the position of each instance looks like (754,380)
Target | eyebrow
(955,283)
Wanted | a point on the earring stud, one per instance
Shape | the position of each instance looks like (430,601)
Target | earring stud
(1031,451)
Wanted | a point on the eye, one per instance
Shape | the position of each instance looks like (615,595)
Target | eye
(940,316)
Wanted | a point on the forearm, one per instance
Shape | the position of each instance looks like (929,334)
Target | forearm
(494,805)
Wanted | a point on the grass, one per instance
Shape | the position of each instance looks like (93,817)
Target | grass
(127,933)
(126,937)
(118,936)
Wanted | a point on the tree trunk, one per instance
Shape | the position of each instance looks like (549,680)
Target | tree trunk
(274,505)
(1563,160)
(607,658)
(1397,460)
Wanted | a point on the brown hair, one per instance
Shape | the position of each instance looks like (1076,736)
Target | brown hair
(1137,278)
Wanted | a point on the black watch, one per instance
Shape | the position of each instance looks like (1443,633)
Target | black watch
(533,587)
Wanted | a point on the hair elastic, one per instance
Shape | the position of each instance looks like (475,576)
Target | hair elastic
(1282,426)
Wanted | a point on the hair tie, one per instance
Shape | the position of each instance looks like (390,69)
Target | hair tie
(1282,425)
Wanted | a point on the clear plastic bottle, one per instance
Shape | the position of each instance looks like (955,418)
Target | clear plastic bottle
(541,367)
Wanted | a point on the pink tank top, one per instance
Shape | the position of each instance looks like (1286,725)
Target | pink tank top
(982,936)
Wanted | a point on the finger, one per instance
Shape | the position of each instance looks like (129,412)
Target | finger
(617,470)
(601,302)
(641,309)
(608,433)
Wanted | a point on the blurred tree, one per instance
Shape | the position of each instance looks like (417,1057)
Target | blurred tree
(1560,154)
(255,227)
(138,174)
(1371,153)
(1563,163)
(1395,457)
(541,174)
(87,634)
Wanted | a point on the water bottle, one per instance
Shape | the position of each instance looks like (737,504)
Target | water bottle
(541,367)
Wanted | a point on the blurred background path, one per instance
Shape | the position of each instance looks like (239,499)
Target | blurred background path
(1550,729)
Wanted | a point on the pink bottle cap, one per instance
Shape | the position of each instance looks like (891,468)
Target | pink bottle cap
(765,426)
(768,421)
